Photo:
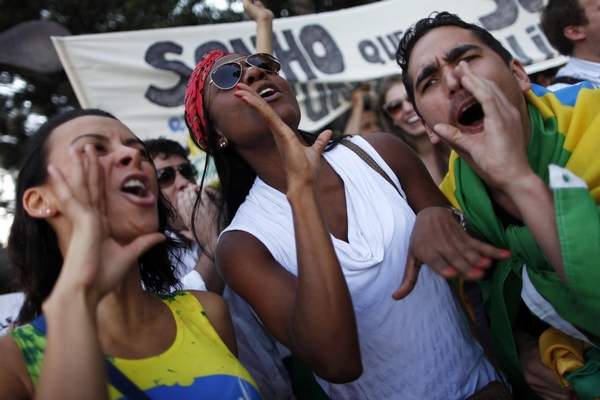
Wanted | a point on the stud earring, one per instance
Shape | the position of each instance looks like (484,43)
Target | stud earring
(222,144)
(48,211)
(40,212)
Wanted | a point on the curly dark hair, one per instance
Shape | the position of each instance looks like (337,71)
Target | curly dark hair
(33,246)
(556,16)
(437,20)
(165,147)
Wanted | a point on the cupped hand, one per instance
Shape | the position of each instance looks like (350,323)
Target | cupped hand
(94,261)
(257,10)
(357,97)
(184,205)
(439,241)
(499,151)
(205,216)
(301,162)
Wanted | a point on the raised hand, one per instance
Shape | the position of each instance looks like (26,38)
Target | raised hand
(205,216)
(499,150)
(257,10)
(438,241)
(357,97)
(93,261)
(301,162)
(264,25)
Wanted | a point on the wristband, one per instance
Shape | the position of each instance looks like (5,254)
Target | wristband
(462,217)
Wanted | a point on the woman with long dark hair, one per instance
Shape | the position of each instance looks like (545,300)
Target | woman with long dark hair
(316,241)
(89,247)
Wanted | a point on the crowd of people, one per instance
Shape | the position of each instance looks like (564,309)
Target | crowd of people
(323,266)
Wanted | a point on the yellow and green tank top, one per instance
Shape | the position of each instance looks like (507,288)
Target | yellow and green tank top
(198,365)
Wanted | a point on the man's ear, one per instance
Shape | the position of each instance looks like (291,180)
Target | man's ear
(39,203)
(433,137)
(519,72)
(575,33)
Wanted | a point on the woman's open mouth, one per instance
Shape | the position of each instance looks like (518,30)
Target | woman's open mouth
(137,189)
(268,92)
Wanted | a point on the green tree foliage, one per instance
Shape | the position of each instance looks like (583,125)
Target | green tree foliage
(24,96)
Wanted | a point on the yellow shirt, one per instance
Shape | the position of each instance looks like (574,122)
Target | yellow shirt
(198,365)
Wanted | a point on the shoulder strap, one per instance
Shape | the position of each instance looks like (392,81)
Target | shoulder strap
(370,162)
(116,378)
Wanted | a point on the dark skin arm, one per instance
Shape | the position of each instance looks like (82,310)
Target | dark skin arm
(312,314)
(416,181)
(308,314)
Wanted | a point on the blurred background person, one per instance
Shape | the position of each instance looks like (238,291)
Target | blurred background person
(573,28)
(401,119)
(545,77)
(363,117)
(195,267)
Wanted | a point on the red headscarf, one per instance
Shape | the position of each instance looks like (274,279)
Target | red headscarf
(194,110)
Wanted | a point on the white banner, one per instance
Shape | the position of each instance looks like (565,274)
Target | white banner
(141,76)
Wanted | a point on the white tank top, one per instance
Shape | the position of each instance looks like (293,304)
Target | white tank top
(416,348)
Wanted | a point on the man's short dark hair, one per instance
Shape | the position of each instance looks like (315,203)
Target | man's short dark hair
(438,20)
(165,148)
(556,16)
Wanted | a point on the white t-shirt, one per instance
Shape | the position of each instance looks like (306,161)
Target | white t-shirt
(417,348)
(580,69)
(190,278)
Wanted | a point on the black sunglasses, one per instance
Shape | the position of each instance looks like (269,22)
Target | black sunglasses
(393,107)
(227,75)
(166,175)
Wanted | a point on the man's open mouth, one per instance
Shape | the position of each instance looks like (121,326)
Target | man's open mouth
(471,115)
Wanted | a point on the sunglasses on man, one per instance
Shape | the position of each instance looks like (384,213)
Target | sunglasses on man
(166,175)
(227,75)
